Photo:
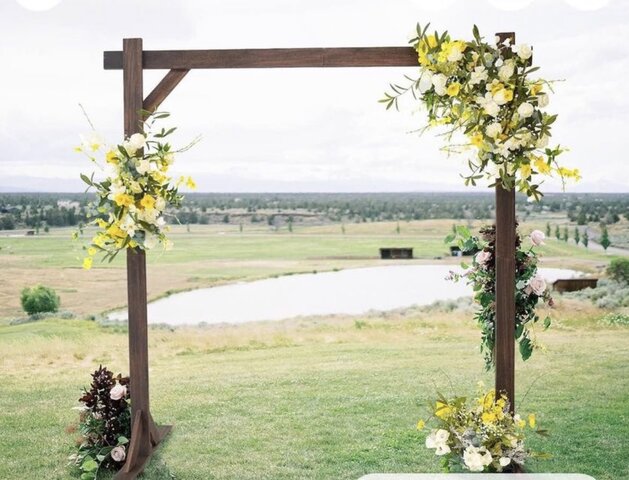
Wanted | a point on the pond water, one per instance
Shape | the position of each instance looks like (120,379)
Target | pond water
(351,291)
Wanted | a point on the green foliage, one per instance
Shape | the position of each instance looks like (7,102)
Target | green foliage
(548,231)
(482,276)
(585,240)
(39,299)
(565,234)
(618,269)
(615,319)
(605,241)
(577,236)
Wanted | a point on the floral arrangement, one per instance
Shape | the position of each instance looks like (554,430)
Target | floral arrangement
(479,435)
(105,425)
(132,199)
(530,287)
(485,92)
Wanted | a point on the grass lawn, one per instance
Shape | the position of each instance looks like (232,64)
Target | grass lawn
(330,398)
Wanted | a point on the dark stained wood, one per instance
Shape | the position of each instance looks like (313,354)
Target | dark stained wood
(154,99)
(272,58)
(505,283)
(574,284)
(143,437)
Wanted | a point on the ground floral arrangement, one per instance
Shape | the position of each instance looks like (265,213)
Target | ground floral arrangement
(479,435)
(486,92)
(530,287)
(105,426)
(132,199)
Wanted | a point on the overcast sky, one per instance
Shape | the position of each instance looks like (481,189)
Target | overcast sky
(295,129)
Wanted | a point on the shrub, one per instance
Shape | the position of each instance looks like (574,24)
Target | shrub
(618,269)
(39,299)
(615,319)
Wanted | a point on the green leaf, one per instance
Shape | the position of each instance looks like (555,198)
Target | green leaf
(89,465)
(526,348)
(547,322)
(87,180)
(122,440)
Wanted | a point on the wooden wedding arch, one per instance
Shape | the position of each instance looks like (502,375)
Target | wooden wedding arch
(133,60)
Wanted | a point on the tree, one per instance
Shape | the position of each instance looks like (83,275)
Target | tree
(397,228)
(577,237)
(548,231)
(605,242)
(557,232)
(39,299)
(581,219)
(585,239)
(565,234)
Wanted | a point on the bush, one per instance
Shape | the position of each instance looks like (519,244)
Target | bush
(614,319)
(39,299)
(619,270)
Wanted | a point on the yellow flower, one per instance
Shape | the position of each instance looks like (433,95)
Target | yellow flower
(191,183)
(115,231)
(443,410)
(540,165)
(508,94)
(477,140)
(521,423)
(453,89)
(98,240)
(532,421)
(420,425)
(147,202)
(423,47)
(569,173)
(496,87)
(525,170)
(111,157)
(101,223)
(488,417)
(123,200)
(91,251)
(488,400)
(87,263)
(535,88)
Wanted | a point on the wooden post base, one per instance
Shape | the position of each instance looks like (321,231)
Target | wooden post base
(145,438)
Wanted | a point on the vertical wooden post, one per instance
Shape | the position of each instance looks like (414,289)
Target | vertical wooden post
(505,284)
(144,434)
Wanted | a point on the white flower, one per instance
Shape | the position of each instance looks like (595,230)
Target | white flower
(542,142)
(523,51)
(525,110)
(482,257)
(118,392)
(143,167)
(499,63)
(500,97)
(506,71)
(92,142)
(169,158)
(442,449)
(160,222)
(478,75)
(455,55)
(437,439)
(137,141)
(504,461)
(537,237)
(150,241)
(476,459)
(543,100)
(135,187)
(128,225)
(493,130)
(439,82)
(115,188)
(425,81)
(118,454)
(536,285)
(160,204)
(492,109)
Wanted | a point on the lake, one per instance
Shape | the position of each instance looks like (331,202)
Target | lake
(351,291)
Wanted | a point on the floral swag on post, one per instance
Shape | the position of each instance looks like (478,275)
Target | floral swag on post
(481,275)
(132,200)
(485,92)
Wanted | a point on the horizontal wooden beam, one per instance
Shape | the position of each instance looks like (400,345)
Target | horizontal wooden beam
(271,58)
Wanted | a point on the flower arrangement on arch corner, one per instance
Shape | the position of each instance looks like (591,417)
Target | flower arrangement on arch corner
(136,191)
(530,287)
(479,435)
(486,92)
(104,425)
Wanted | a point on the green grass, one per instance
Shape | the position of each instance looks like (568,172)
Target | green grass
(314,398)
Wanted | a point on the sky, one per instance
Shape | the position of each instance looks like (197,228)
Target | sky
(296,130)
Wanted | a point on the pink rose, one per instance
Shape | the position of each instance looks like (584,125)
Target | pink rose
(482,257)
(536,285)
(118,454)
(118,392)
(538,237)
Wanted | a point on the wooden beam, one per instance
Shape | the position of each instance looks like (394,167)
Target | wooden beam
(505,284)
(271,58)
(163,89)
(143,437)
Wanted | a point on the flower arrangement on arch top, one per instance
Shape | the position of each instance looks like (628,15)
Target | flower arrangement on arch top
(105,426)
(530,287)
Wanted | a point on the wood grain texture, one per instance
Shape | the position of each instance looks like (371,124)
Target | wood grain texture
(154,99)
(272,58)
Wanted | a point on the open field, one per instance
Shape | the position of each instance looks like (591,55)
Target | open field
(322,399)
(210,255)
